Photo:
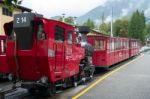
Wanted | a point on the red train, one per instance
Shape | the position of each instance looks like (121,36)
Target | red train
(49,55)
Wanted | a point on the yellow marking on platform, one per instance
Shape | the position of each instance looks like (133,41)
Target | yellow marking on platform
(103,78)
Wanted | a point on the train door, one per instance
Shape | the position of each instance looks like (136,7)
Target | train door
(41,48)
(59,35)
(69,50)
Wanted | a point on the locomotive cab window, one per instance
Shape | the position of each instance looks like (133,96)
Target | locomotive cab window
(40,32)
(59,33)
(70,33)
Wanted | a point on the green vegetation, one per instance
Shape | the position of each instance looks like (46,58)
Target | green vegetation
(68,20)
(120,28)
(90,23)
(148,28)
(105,28)
(137,26)
(12,4)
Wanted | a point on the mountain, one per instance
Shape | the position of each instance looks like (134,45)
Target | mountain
(56,17)
(120,8)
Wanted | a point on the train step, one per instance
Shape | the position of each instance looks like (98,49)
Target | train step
(59,91)
(59,85)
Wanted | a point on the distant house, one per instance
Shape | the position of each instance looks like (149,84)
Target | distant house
(7,16)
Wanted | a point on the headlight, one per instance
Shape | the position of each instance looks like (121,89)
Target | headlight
(44,79)
(10,77)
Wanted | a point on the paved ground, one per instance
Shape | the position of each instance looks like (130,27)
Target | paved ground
(131,82)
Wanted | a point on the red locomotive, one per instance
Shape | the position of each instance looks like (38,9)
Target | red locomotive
(44,54)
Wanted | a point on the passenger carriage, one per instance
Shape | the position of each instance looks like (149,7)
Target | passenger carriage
(109,50)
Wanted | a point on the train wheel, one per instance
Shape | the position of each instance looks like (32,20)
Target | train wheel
(75,80)
(33,91)
(51,90)
(107,68)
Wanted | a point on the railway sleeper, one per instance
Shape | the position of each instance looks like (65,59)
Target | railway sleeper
(12,93)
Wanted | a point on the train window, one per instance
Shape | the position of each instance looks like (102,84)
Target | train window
(124,45)
(3,46)
(96,44)
(120,44)
(108,44)
(133,44)
(100,44)
(70,33)
(40,32)
(59,33)
(116,44)
(112,45)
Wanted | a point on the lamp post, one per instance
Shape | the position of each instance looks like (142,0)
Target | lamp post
(63,17)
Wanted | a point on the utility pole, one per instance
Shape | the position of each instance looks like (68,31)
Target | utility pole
(102,18)
(111,22)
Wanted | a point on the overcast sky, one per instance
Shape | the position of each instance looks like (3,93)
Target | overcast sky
(51,8)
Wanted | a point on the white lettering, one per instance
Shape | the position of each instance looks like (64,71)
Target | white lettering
(18,20)
(23,19)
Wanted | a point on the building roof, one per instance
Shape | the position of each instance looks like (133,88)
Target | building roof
(20,7)
(96,32)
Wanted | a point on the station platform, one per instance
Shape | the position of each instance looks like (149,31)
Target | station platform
(130,82)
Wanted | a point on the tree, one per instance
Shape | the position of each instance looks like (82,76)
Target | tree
(90,23)
(12,4)
(117,27)
(137,26)
(121,27)
(104,28)
(148,28)
(69,20)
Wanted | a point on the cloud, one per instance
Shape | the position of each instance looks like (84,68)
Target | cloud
(136,4)
(108,18)
(147,11)
(124,12)
(56,7)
